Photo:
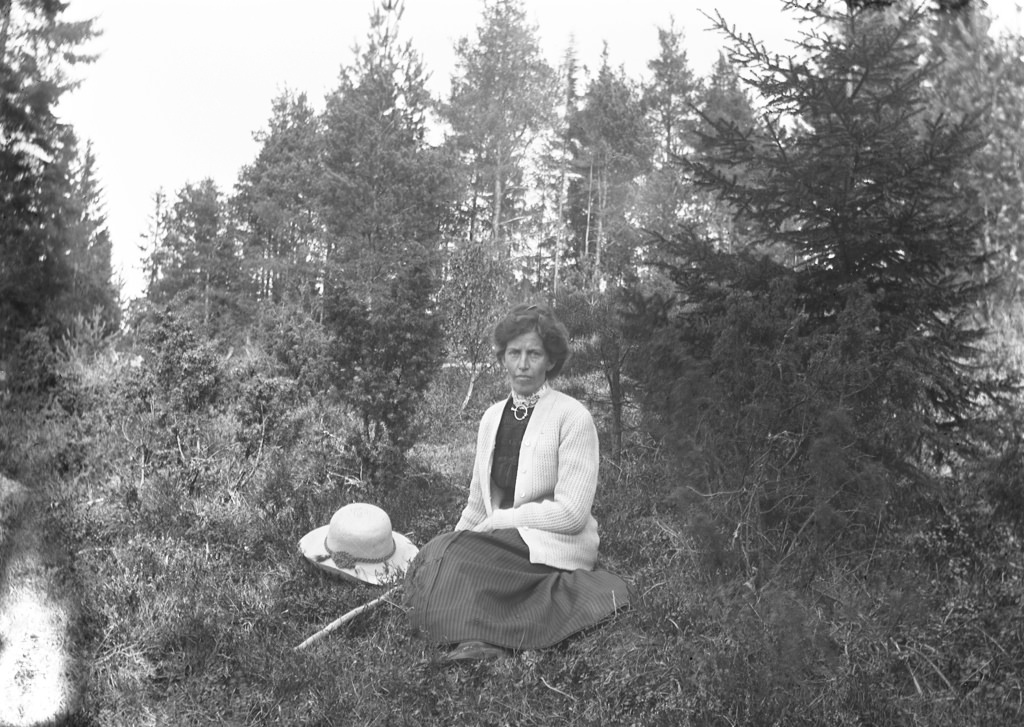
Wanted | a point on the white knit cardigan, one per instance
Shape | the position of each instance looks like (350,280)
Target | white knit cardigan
(555,484)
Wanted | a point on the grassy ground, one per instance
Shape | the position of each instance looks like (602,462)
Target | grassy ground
(180,532)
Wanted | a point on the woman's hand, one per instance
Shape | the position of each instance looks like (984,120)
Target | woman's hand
(485,526)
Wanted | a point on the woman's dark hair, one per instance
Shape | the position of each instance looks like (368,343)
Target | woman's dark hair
(525,318)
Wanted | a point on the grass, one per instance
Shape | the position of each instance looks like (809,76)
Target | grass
(181,540)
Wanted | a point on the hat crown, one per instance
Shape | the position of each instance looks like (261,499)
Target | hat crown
(362,531)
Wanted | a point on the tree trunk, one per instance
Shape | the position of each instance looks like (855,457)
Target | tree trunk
(613,372)
(473,376)
(602,203)
(590,208)
(206,300)
(474,209)
(496,210)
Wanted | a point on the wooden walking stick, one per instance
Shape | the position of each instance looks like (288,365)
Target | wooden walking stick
(340,621)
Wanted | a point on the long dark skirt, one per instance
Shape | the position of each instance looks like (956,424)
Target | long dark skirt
(467,586)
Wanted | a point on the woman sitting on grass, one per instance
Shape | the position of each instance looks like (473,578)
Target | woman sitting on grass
(519,570)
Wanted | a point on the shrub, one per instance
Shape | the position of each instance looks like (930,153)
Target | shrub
(34,365)
(297,341)
(187,370)
(382,361)
(775,429)
(262,404)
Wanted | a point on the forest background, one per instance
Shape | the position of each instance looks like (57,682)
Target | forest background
(794,289)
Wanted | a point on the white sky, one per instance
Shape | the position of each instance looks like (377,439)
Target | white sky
(181,85)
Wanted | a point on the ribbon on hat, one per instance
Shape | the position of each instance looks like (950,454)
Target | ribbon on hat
(343,559)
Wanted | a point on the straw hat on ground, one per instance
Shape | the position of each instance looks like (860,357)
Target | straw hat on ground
(359,545)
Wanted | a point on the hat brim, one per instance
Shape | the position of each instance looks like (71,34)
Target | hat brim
(312,548)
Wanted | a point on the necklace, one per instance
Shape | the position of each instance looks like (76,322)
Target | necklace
(521,405)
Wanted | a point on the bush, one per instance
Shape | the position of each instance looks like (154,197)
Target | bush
(779,430)
(187,370)
(263,401)
(34,365)
(297,341)
(382,361)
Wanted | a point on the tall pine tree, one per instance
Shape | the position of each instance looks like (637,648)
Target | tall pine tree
(384,190)
(384,196)
(983,72)
(814,374)
(196,263)
(92,288)
(276,204)
(856,184)
(37,49)
(502,100)
(670,102)
(613,148)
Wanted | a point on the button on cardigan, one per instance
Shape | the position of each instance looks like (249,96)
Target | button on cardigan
(555,484)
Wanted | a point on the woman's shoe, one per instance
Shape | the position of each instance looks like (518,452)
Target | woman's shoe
(478,650)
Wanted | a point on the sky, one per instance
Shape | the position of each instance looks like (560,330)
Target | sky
(181,86)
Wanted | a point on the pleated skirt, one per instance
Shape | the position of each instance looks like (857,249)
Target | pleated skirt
(466,586)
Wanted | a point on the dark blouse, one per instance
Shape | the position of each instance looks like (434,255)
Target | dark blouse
(506,452)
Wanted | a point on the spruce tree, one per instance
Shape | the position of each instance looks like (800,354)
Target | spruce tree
(275,202)
(855,185)
(384,200)
(982,71)
(93,289)
(502,99)
(37,49)
(196,263)
(821,372)
(670,95)
(612,147)
(384,189)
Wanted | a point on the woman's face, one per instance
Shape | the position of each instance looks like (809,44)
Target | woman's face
(527,363)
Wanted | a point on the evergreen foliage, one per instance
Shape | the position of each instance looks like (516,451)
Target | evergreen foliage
(601,342)
(276,203)
(385,190)
(976,69)
(501,101)
(854,189)
(185,365)
(670,95)
(195,268)
(670,101)
(47,269)
(612,147)
(93,287)
(382,361)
